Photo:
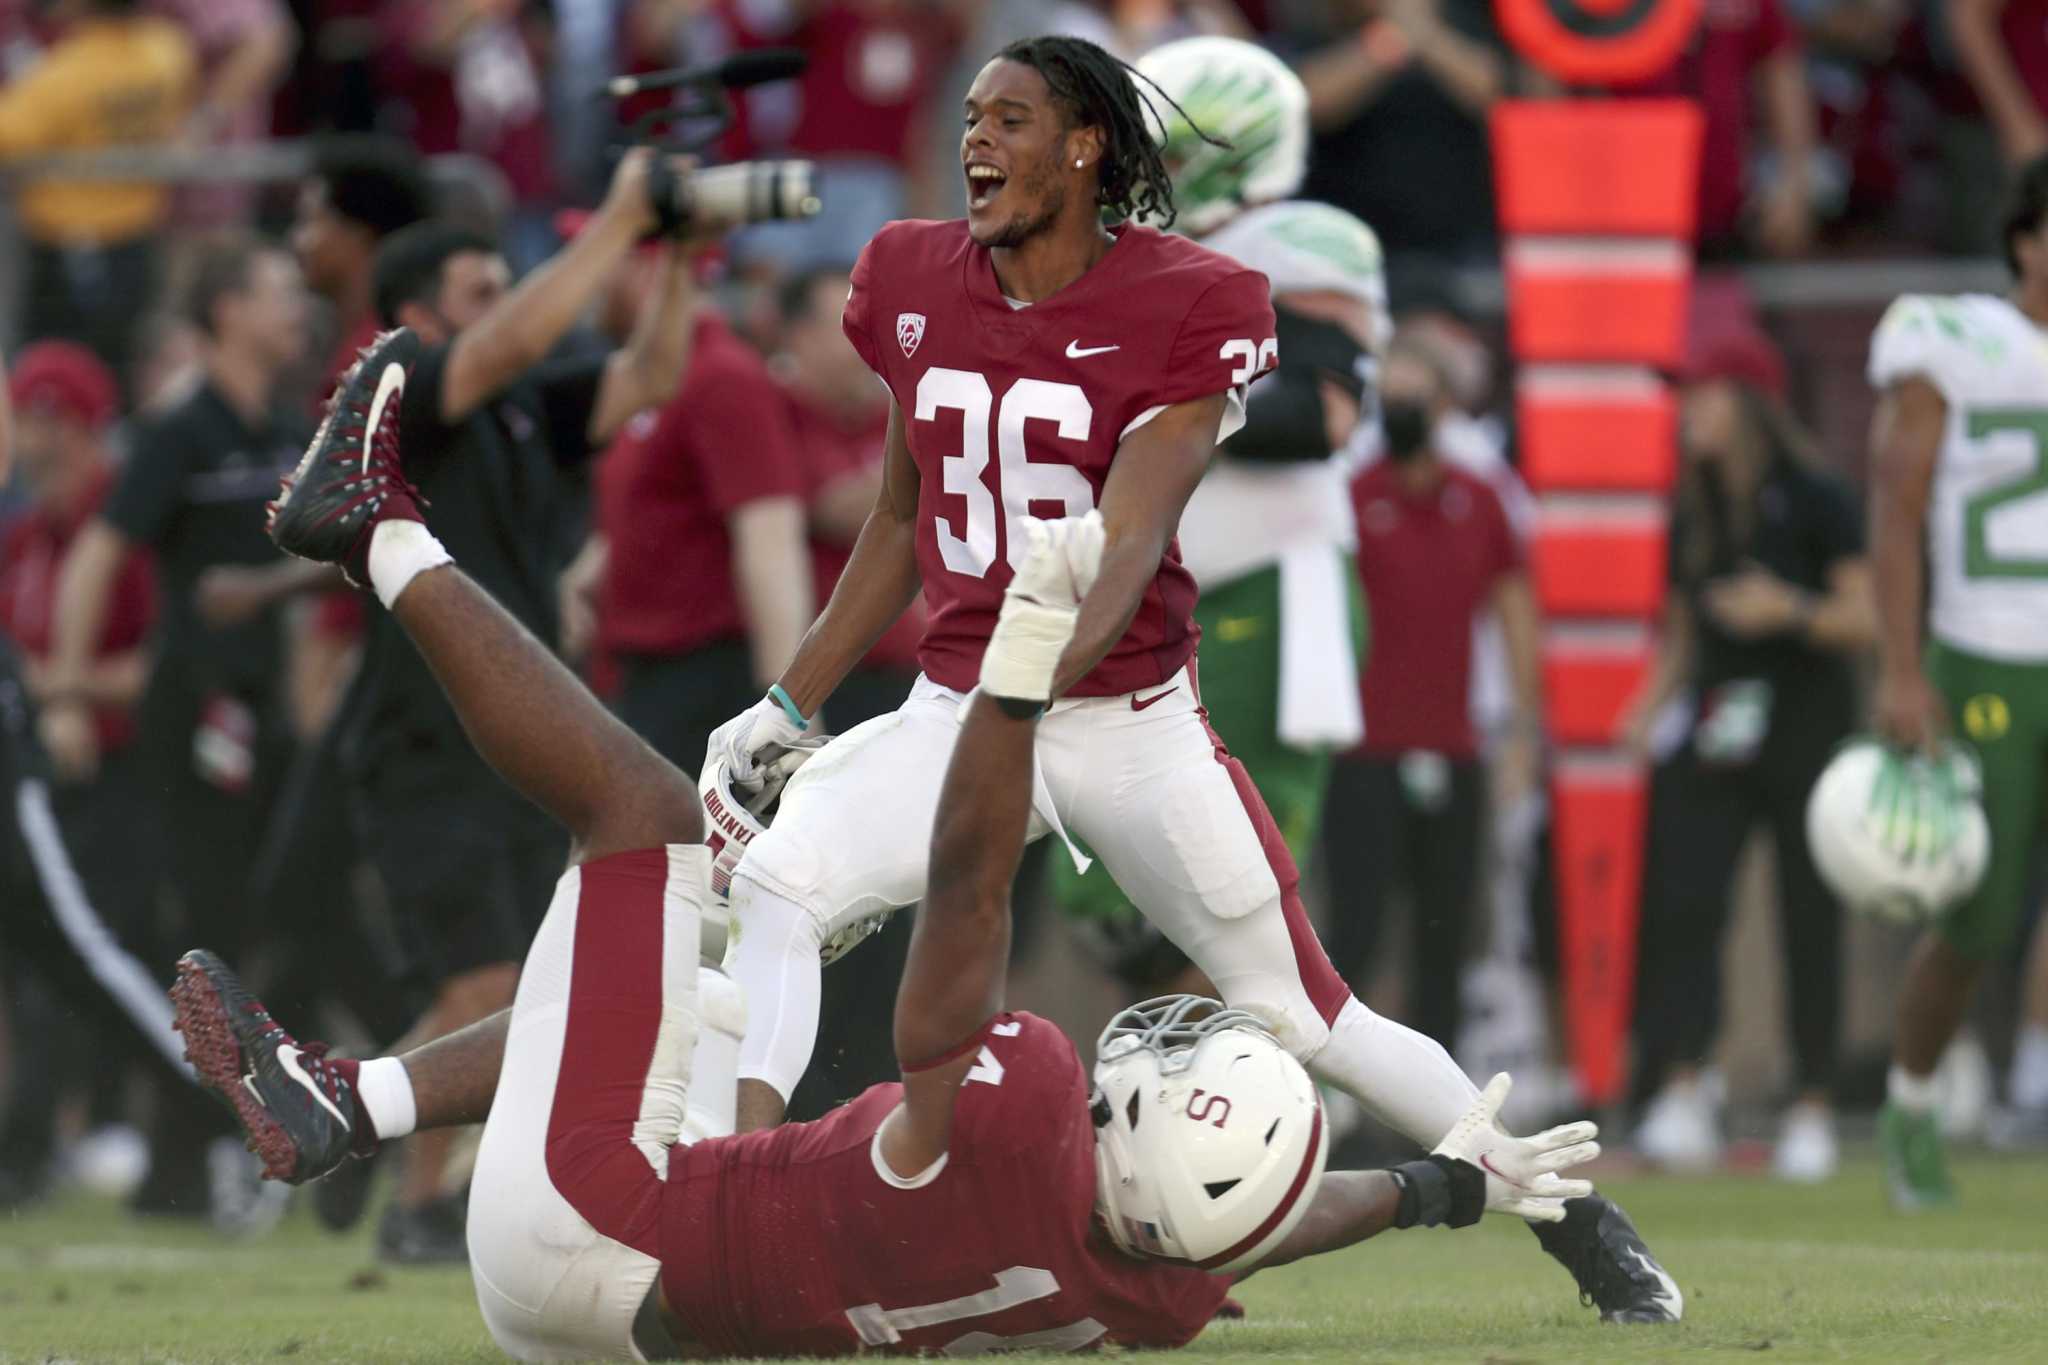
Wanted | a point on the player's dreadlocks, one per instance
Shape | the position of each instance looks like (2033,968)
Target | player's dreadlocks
(1097,88)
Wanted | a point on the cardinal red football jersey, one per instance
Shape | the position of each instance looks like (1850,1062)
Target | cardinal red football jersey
(1019,411)
(797,1241)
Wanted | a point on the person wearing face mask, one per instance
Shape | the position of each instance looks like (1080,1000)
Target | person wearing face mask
(1406,807)
(1770,598)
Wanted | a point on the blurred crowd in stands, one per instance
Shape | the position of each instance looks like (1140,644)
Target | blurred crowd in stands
(188,320)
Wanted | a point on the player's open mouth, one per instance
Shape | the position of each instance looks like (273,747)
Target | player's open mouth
(984,183)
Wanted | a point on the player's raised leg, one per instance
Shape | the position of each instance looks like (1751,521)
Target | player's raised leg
(597,1051)
(348,503)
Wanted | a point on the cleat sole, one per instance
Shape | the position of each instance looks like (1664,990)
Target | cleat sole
(216,1054)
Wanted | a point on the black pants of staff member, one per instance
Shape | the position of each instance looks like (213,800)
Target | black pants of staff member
(1385,833)
(341,947)
(74,875)
(675,701)
(1700,817)
(468,865)
(213,810)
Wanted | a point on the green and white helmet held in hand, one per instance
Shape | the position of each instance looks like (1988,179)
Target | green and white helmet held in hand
(1899,835)
(1237,93)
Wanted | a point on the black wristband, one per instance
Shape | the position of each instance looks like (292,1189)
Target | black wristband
(1017,708)
(1439,1191)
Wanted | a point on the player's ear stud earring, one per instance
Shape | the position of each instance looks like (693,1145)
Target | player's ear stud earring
(1077,164)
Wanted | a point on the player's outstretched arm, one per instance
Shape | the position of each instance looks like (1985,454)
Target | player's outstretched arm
(952,985)
(1478,1168)
(1905,442)
(1154,474)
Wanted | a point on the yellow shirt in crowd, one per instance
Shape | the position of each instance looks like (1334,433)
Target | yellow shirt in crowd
(106,83)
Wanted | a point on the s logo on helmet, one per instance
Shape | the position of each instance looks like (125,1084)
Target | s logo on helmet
(909,331)
(1201,1104)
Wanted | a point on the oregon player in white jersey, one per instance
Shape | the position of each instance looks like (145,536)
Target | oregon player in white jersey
(1959,469)
(1268,533)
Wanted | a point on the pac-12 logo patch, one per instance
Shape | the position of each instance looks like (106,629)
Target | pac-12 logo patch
(909,331)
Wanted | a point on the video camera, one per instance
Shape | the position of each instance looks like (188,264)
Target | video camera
(716,198)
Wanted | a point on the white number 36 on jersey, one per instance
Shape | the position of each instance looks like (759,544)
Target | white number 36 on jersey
(1258,357)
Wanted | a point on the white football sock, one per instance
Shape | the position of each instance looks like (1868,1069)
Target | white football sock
(400,551)
(385,1092)
(714,1068)
(774,959)
(1918,1093)
(2029,1080)
(1404,1078)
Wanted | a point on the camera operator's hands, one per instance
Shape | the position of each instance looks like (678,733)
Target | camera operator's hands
(642,183)
(626,201)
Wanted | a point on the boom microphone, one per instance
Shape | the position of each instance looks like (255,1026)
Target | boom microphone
(737,72)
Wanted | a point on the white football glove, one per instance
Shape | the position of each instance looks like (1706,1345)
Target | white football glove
(1521,1173)
(763,748)
(1041,605)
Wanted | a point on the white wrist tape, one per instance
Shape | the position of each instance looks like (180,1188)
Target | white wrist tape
(1025,647)
(401,551)
(385,1091)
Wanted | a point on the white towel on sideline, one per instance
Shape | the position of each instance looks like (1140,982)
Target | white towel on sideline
(1318,671)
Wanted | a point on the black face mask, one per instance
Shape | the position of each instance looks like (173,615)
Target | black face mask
(1406,424)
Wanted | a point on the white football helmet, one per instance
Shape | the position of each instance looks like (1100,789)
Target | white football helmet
(732,818)
(1242,94)
(1209,1136)
(1901,836)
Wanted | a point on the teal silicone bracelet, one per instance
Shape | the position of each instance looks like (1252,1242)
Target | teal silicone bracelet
(781,698)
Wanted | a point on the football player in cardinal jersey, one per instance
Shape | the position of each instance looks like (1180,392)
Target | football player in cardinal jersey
(990,1200)
(1041,363)
(1267,535)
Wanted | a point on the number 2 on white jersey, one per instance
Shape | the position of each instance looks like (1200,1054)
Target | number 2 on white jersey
(1023,481)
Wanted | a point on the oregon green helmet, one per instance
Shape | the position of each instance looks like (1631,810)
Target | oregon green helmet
(1239,94)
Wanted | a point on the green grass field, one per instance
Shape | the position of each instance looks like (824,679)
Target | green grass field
(1800,1274)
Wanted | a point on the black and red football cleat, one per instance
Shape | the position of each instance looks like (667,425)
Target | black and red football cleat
(297,1107)
(351,477)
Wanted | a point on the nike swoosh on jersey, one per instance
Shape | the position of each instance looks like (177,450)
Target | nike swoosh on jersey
(1075,350)
(1139,704)
(389,384)
(288,1058)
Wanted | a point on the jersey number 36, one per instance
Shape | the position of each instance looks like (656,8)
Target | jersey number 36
(1023,481)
